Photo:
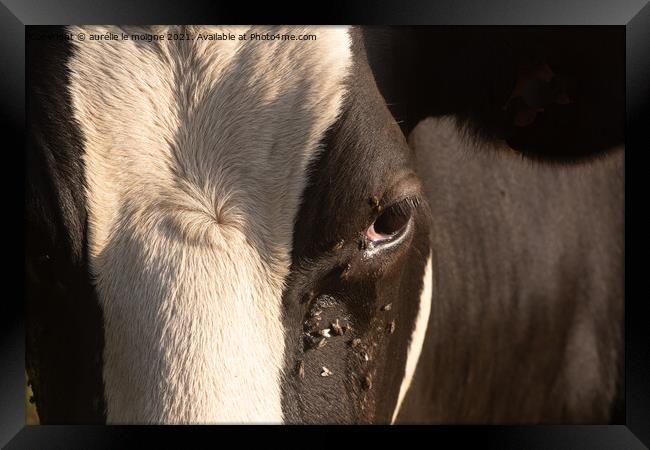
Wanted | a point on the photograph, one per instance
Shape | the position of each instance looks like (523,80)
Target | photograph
(325,224)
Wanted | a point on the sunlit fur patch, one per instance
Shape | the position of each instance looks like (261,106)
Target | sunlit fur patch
(417,338)
(195,156)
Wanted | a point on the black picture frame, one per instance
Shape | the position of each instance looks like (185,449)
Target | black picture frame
(15,15)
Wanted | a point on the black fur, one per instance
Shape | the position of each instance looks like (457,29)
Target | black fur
(527,314)
(64,321)
(365,154)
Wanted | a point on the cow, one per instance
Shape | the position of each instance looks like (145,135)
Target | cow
(223,228)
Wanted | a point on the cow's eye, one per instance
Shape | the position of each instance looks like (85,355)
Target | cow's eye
(392,221)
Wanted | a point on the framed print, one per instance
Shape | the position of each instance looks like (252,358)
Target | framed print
(419,222)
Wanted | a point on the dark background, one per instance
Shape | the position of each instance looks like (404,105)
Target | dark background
(14,14)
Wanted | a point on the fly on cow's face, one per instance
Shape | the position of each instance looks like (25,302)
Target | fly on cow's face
(313,341)
(336,328)
(308,325)
(346,271)
(362,242)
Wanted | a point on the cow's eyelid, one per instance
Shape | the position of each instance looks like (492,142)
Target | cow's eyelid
(404,205)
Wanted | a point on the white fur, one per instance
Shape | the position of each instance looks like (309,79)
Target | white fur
(195,159)
(417,338)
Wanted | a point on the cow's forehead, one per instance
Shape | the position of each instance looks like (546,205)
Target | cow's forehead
(196,154)
(196,121)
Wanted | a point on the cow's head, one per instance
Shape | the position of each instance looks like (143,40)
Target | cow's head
(257,235)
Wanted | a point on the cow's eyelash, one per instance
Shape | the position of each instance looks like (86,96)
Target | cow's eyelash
(405,205)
